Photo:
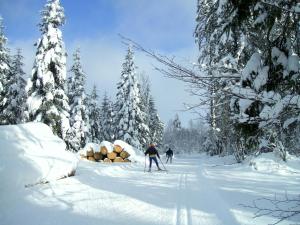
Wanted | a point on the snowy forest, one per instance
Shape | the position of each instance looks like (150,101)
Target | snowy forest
(63,103)
(247,75)
(72,154)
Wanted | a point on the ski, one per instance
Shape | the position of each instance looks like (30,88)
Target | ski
(159,171)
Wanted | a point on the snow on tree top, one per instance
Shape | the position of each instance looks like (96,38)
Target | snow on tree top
(52,15)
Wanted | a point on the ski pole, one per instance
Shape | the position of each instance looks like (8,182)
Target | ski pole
(163,164)
(145,165)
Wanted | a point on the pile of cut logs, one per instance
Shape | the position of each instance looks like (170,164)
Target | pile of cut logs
(103,155)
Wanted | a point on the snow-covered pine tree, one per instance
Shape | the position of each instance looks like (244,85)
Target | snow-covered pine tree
(270,81)
(15,107)
(94,114)
(129,119)
(177,123)
(4,72)
(145,132)
(106,119)
(156,126)
(77,100)
(47,101)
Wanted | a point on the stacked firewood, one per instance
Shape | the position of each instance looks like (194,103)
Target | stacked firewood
(104,155)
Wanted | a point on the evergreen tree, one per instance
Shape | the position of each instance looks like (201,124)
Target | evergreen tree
(144,131)
(267,106)
(77,99)
(154,130)
(156,126)
(47,100)
(260,41)
(94,114)
(4,73)
(177,123)
(129,120)
(106,121)
(14,112)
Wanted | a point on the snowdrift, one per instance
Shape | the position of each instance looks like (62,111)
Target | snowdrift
(31,153)
(271,163)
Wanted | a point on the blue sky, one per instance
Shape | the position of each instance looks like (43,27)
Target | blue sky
(165,26)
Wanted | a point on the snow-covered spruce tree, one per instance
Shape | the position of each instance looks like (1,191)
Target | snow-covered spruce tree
(47,101)
(15,107)
(156,126)
(154,131)
(94,114)
(106,119)
(239,38)
(269,90)
(144,87)
(77,100)
(129,119)
(177,123)
(4,73)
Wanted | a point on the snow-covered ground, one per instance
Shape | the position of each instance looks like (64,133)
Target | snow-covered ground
(197,189)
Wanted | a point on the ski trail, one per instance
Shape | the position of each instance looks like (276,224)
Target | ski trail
(180,218)
(125,195)
(188,208)
(211,200)
(183,214)
(197,199)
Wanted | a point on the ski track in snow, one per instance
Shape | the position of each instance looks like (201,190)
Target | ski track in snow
(191,193)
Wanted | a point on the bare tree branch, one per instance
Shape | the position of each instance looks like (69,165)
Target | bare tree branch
(281,209)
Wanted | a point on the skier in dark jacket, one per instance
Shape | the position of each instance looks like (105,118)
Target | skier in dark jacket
(169,155)
(152,152)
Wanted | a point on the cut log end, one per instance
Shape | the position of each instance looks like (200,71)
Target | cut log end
(118,149)
(124,155)
(112,155)
(98,156)
(103,150)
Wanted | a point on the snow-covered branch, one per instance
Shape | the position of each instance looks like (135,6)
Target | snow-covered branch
(295,10)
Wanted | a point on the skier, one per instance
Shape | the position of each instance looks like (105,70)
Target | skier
(152,152)
(169,155)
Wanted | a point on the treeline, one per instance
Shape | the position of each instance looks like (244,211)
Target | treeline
(63,103)
(190,139)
